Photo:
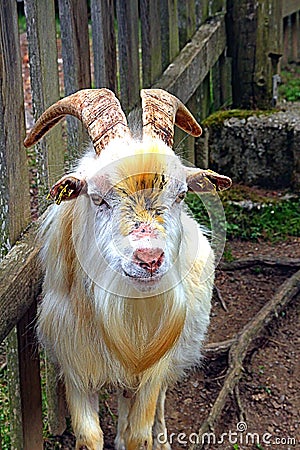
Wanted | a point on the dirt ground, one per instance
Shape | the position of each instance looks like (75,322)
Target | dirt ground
(267,414)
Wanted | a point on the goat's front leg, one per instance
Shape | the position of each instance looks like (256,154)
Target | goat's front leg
(160,436)
(124,406)
(136,418)
(85,421)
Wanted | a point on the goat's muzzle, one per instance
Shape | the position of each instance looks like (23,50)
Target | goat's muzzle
(149,259)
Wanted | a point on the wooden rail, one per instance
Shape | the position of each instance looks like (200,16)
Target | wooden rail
(183,47)
(290,7)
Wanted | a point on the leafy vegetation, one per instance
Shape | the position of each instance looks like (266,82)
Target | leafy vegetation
(252,216)
(4,415)
(290,87)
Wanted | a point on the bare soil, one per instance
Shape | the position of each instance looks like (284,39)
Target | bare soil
(266,414)
(269,402)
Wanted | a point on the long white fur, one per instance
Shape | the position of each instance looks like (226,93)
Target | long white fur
(89,308)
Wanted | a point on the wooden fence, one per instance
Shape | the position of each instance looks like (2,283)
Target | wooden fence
(174,45)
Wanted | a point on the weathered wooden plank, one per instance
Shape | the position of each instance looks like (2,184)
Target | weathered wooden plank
(104,44)
(14,186)
(255,46)
(295,36)
(76,62)
(225,80)
(169,31)
(193,63)
(128,45)
(14,394)
(268,50)
(186,21)
(75,44)
(41,34)
(57,408)
(289,7)
(20,280)
(286,41)
(151,41)
(216,86)
(30,382)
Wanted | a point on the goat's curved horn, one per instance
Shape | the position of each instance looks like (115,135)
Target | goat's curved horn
(161,110)
(98,109)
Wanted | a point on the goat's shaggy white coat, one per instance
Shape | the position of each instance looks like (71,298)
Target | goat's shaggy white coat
(105,320)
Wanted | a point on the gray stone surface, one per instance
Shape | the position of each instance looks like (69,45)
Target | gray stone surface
(259,150)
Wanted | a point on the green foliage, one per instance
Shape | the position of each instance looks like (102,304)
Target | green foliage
(4,411)
(290,87)
(21,23)
(253,218)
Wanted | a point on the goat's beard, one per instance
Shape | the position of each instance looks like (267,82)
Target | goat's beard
(140,331)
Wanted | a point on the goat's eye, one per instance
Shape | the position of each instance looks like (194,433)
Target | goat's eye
(97,200)
(180,197)
(160,210)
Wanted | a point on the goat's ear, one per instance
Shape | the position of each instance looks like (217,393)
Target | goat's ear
(67,188)
(200,180)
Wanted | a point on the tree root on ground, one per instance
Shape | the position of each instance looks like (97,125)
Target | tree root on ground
(259,260)
(239,346)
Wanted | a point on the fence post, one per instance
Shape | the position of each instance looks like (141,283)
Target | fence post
(14,186)
(41,34)
(169,31)
(295,32)
(76,62)
(151,41)
(186,21)
(30,382)
(128,45)
(104,44)
(185,144)
(255,35)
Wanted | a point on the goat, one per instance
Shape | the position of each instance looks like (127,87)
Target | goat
(128,273)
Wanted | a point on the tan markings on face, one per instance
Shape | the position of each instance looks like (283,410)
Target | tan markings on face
(141,200)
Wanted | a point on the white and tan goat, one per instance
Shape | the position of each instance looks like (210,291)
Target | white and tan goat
(128,273)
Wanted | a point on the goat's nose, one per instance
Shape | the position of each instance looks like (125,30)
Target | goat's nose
(149,258)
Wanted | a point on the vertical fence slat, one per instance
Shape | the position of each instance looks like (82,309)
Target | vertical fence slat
(128,45)
(256,40)
(14,186)
(225,80)
(186,21)
(76,61)
(30,382)
(13,381)
(186,27)
(41,34)
(169,31)
(55,391)
(151,41)
(14,198)
(104,44)
(294,25)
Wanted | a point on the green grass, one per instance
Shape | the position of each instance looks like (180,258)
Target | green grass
(290,87)
(270,219)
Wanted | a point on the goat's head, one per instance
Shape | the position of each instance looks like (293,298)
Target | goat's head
(135,189)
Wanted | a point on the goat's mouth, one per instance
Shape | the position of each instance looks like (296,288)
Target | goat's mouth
(152,278)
